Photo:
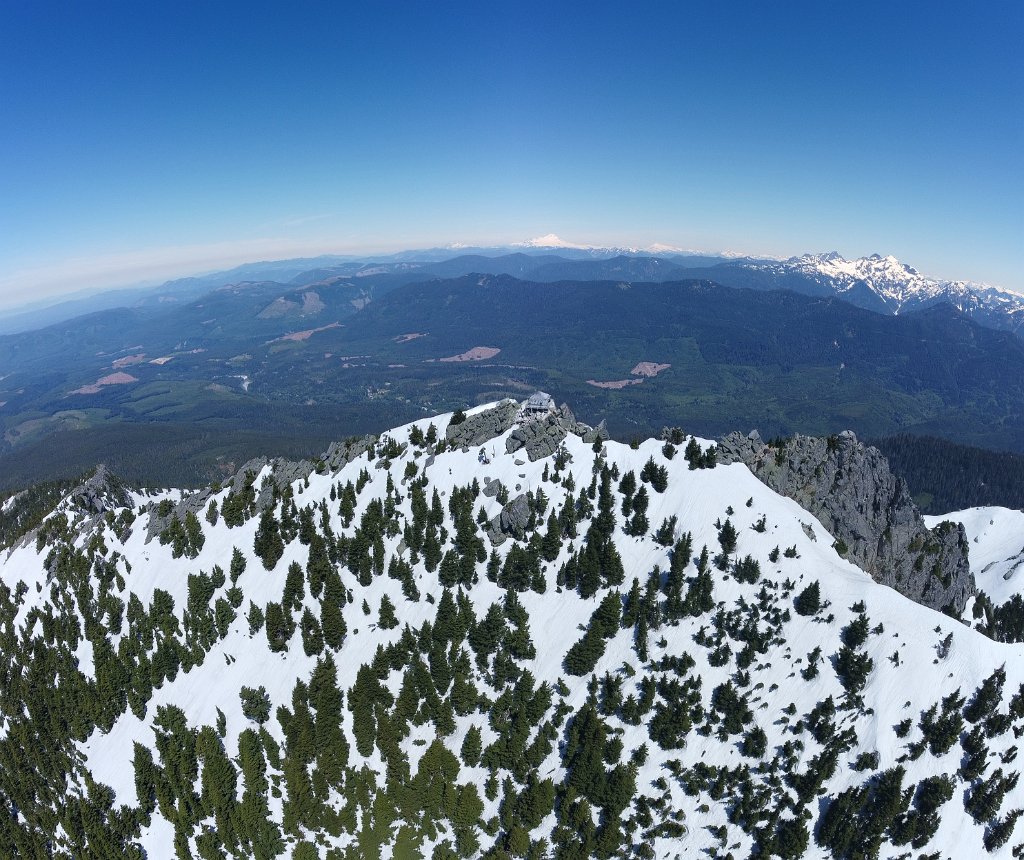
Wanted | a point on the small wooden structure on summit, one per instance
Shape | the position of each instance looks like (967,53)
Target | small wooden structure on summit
(539,403)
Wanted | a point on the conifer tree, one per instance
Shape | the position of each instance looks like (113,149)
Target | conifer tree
(312,636)
(331,619)
(386,616)
(808,601)
(268,544)
(471,747)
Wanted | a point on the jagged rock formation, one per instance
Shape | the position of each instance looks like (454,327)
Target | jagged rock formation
(540,437)
(511,522)
(483,426)
(537,435)
(849,487)
(100,493)
(282,473)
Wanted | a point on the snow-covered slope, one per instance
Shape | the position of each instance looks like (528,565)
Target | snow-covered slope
(997,549)
(709,717)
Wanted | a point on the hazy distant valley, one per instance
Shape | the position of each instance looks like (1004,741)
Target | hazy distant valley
(211,371)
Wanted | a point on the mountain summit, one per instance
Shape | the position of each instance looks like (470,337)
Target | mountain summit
(494,634)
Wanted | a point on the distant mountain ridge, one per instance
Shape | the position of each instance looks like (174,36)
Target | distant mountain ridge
(898,288)
(879,283)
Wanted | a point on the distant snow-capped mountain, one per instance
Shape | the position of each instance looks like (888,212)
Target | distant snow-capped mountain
(887,284)
(553,242)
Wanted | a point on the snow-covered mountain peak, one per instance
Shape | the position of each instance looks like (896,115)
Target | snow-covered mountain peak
(490,633)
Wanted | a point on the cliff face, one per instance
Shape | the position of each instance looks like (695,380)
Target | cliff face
(849,487)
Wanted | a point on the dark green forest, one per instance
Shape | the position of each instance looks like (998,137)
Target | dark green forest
(944,476)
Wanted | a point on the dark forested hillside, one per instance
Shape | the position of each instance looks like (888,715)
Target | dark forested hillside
(304,364)
(944,476)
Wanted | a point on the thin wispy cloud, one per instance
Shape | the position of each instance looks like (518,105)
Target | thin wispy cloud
(302,220)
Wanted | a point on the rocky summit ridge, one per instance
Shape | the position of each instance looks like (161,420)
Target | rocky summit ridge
(869,510)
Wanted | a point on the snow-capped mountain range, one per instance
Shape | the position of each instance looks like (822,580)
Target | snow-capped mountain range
(876,282)
(552,242)
(898,286)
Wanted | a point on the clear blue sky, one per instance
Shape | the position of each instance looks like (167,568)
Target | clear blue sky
(145,139)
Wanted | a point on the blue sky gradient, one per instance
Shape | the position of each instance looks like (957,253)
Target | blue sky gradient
(143,140)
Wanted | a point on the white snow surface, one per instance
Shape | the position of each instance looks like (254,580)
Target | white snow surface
(996,536)
(699,498)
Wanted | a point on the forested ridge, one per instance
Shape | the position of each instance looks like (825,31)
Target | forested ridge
(612,651)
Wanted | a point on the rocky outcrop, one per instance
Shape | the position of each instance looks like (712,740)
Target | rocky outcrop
(536,435)
(510,522)
(282,474)
(483,426)
(592,434)
(340,453)
(848,486)
(101,492)
(540,437)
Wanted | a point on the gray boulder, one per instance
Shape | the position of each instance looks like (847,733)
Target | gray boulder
(510,522)
(848,486)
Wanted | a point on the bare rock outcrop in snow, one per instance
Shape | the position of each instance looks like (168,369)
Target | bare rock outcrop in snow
(541,437)
(510,522)
(849,487)
(483,426)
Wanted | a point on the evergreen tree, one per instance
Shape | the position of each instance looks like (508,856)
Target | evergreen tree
(727,537)
(332,621)
(471,747)
(386,616)
(268,544)
(255,704)
(808,601)
(312,636)
(237,565)
(279,627)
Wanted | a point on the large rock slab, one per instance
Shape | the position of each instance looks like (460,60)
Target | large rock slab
(848,486)
(483,426)
(539,437)
(101,492)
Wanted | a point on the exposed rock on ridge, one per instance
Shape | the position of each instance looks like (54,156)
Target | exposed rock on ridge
(282,473)
(101,492)
(483,426)
(540,437)
(849,487)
